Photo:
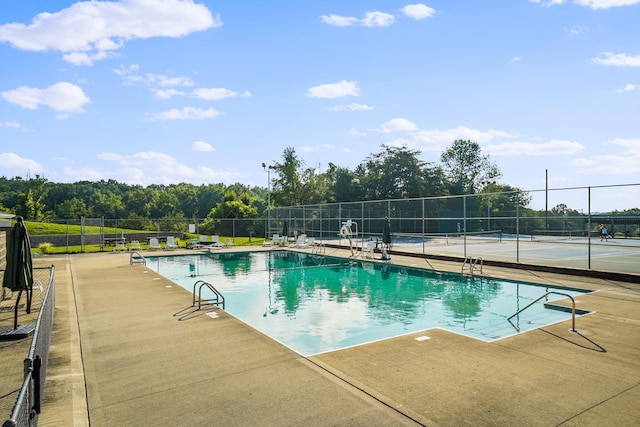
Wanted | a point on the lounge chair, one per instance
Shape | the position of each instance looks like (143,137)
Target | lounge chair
(119,247)
(135,245)
(301,241)
(205,240)
(275,240)
(171,243)
(215,241)
(154,244)
(194,244)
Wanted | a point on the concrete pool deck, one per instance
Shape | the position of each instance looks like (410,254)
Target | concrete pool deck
(128,349)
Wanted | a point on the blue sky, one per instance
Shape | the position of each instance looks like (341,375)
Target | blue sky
(167,91)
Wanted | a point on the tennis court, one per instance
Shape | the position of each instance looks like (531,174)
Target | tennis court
(617,255)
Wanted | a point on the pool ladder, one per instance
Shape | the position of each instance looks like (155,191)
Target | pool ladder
(473,264)
(137,258)
(217,298)
(318,248)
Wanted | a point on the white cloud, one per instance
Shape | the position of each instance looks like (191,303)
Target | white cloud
(151,167)
(618,60)
(339,21)
(628,88)
(334,90)
(153,80)
(370,19)
(436,139)
(516,59)
(309,149)
(398,125)
(355,132)
(418,11)
(13,162)
(186,113)
(548,3)
(352,107)
(62,96)
(217,93)
(378,19)
(167,93)
(606,4)
(101,27)
(626,162)
(202,146)
(593,4)
(576,29)
(14,125)
(550,148)
(631,146)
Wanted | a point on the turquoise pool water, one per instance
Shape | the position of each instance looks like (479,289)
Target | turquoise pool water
(314,304)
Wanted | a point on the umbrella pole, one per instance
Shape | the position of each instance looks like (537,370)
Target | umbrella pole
(15,315)
(29,298)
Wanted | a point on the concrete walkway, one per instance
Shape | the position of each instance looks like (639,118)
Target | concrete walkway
(128,349)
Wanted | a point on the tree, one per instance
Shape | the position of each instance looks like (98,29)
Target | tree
(394,173)
(287,185)
(467,168)
(71,208)
(233,206)
(32,206)
(343,185)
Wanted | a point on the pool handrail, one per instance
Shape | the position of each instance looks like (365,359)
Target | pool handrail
(219,298)
(472,264)
(573,309)
(138,259)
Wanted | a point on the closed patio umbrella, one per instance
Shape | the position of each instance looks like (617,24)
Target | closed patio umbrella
(386,232)
(19,273)
(285,229)
(386,238)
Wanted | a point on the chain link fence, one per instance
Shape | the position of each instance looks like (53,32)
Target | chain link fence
(564,230)
(492,226)
(26,410)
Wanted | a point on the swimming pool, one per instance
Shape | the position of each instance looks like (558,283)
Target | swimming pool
(314,304)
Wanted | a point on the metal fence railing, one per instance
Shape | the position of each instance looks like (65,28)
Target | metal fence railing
(564,231)
(27,407)
(550,227)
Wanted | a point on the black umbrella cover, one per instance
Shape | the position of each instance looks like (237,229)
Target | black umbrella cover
(19,273)
(386,231)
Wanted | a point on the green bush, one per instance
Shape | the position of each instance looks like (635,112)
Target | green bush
(45,247)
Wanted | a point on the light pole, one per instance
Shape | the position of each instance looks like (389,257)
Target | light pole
(268,170)
(487,185)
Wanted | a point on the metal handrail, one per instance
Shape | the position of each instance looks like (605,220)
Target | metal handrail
(318,248)
(573,308)
(464,263)
(472,264)
(141,259)
(213,301)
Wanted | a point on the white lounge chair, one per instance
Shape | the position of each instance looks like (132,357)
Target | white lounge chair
(135,245)
(171,243)
(154,244)
(301,241)
(119,247)
(215,241)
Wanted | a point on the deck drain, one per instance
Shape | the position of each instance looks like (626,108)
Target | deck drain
(422,338)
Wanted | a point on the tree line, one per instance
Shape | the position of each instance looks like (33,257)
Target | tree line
(391,173)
